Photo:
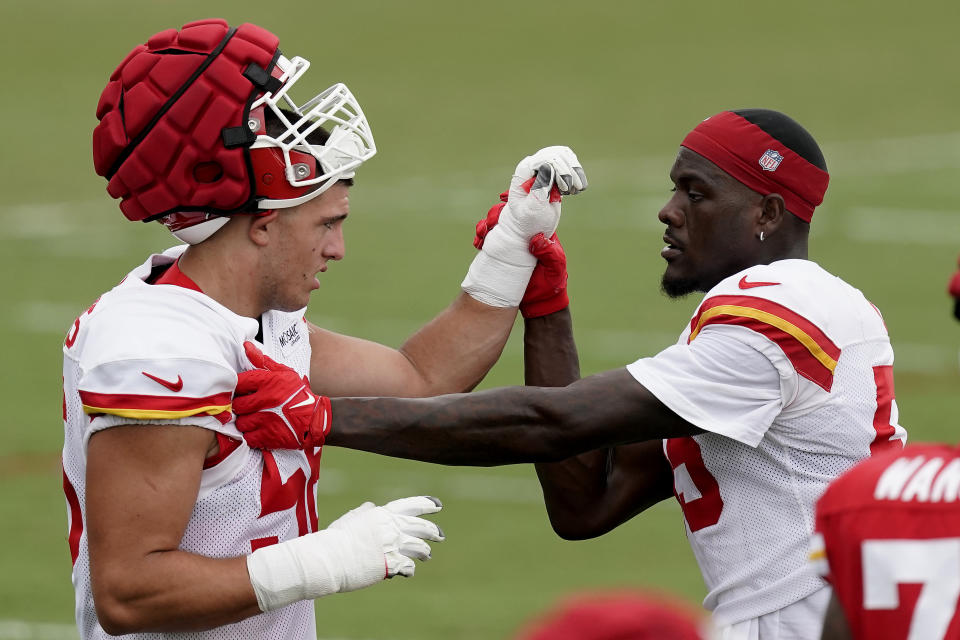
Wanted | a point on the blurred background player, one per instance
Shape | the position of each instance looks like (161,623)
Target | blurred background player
(953,288)
(782,380)
(175,523)
(888,541)
(617,615)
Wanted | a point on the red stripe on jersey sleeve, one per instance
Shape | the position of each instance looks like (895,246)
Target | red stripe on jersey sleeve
(146,407)
(812,354)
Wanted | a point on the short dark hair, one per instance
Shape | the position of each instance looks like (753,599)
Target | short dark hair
(788,131)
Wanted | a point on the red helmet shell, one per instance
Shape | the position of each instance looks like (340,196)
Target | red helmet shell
(162,117)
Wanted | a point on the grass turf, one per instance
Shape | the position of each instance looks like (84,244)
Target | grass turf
(456,95)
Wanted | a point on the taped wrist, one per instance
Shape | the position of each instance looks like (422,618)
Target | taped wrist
(312,566)
(499,274)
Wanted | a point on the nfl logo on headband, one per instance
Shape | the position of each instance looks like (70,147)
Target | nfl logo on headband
(770,160)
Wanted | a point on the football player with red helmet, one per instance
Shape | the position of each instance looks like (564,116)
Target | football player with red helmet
(176,523)
(618,615)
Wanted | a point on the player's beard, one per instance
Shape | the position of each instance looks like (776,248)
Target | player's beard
(276,296)
(678,287)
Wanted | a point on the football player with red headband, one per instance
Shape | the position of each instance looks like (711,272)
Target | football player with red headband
(782,380)
(175,523)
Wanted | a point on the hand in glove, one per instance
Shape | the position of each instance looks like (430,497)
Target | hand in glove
(499,274)
(546,291)
(275,407)
(357,550)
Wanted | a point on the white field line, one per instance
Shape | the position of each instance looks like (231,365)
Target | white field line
(879,157)
(917,227)
(637,212)
(67,232)
(40,220)
(45,316)
(619,345)
(487,487)
(887,156)
(23,630)
(457,193)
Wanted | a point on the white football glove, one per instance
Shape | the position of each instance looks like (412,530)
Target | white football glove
(569,177)
(395,528)
(359,549)
(499,274)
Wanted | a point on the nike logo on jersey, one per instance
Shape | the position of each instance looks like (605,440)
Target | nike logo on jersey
(173,386)
(743,284)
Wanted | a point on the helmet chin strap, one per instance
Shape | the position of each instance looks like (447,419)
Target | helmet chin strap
(200,232)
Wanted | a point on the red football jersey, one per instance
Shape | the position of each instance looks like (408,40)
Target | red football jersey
(888,540)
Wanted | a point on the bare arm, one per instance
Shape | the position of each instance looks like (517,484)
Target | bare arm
(451,353)
(835,626)
(594,492)
(454,351)
(142,483)
(507,425)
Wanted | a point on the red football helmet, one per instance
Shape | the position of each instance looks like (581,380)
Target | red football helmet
(617,615)
(183,137)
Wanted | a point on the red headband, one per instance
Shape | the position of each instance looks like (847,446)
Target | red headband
(758,160)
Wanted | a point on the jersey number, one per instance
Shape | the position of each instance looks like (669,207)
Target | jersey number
(75,329)
(296,492)
(934,563)
(694,486)
(883,418)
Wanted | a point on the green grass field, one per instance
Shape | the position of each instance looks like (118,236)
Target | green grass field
(456,94)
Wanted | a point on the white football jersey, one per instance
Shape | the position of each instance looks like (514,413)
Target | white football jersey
(164,354)
(789,370)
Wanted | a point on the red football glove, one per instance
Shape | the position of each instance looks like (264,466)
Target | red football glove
(954,290)
(275,407)
(547,290)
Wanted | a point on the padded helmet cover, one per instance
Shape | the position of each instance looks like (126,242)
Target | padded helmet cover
(162,115)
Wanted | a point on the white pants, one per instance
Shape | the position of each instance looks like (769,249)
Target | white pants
(802,620)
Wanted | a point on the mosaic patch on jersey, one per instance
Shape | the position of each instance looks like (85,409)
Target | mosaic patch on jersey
(290,336)
(810,351)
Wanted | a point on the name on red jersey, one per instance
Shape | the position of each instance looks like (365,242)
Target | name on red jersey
(919,479)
